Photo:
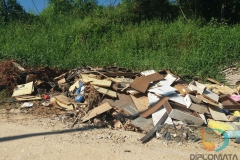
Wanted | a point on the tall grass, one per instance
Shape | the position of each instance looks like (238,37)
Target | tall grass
(63,42)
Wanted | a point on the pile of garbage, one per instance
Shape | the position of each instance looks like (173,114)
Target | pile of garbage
(152,102)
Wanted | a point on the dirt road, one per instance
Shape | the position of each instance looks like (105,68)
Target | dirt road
(23,137)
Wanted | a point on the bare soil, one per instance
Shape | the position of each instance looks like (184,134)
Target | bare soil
(41,136)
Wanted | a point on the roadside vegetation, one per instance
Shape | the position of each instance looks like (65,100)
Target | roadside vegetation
(67,35)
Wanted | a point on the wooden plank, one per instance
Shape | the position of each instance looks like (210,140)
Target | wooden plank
(27,98)
(94,81)
(213,81)
(106,91)
(143,123)
(154,108)
(155,128)
(96,111)
(217,113)
(131,109)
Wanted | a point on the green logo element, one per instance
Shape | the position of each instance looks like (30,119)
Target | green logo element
(210,146)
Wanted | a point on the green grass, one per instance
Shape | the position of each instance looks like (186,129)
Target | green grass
(186,48)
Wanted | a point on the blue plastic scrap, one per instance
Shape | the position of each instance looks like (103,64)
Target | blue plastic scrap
(79,93)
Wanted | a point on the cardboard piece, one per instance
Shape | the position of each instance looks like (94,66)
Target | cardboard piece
(229,103)
(194,103)
(106,91)
(182,113)
(23,89)
(168,80)
(23,92)
(141,102)
(194,85)
(143,123)
(141,83)
(96,111)
(63,102)
(94,81)
(182,88)
(217,113)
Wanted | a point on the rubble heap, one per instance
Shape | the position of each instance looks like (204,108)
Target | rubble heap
(153,102)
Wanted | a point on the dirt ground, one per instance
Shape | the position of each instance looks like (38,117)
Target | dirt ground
(28,136)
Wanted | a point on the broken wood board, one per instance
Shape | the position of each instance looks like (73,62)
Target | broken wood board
(223,89)
(154,108)
(217,113)
(168,80)
(194,85)
(131,109)
(143,123)
(195,104)
(229,103)
(177,98)
(28,98)
(210,95)
(156,116)
(163,90)
(155,128)
(106,91)
(141,102)
(213,81)
(203,98)
(96,111)
(94,81)
(183,114)
(74,86)
(126,103)
(141,83)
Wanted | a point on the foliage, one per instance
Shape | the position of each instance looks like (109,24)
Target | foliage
(70,33)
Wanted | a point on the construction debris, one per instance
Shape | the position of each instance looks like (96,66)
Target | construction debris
(151,102)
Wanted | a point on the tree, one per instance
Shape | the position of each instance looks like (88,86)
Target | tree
(11,10)
(222,10)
